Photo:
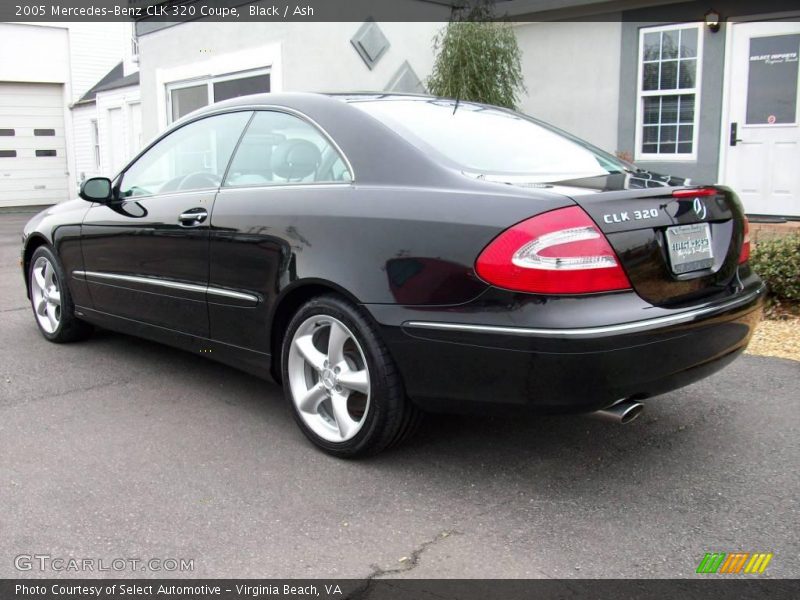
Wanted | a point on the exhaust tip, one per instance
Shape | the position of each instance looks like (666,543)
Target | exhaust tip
(631,412)
(623,412)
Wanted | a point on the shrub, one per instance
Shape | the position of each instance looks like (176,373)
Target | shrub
(478,60)
(777,261)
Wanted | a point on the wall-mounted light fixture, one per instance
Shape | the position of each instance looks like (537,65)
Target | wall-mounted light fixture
(712,20)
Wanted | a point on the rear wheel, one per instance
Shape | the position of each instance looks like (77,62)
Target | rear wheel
(51,300)
(345,390)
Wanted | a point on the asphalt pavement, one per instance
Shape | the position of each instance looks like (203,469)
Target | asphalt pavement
(121,448)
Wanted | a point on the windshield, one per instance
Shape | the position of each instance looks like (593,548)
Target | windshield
(490,142)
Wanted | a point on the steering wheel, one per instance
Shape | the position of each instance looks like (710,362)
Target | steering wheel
(198,179)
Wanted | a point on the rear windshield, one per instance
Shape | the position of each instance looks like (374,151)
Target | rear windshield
(485,141)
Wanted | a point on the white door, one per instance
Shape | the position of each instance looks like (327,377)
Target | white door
(116,140)
(762,134)
(33,160)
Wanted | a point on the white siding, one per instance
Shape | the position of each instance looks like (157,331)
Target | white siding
(94,49)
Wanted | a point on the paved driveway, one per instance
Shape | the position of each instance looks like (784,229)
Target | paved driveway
(121,448)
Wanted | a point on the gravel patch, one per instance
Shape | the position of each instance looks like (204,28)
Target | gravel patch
(779,338)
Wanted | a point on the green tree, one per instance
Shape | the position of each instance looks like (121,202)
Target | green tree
(477,59)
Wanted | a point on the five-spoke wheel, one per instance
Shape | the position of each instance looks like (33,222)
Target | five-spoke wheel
(344,387)
(45,294)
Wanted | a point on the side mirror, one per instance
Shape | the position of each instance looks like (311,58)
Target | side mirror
(96,189)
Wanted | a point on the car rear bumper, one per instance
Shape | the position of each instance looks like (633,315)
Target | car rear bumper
(456,366)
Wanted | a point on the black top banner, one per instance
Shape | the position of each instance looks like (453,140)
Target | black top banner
(241,11)
(231,11)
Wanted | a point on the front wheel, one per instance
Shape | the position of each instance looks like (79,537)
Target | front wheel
(345,390)
(51,300)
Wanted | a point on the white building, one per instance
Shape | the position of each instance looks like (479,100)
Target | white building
(45,69)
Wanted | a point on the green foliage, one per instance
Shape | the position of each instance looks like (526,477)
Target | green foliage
(777,261)
(477,60)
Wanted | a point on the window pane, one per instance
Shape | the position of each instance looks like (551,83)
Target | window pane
(6,132)
(185,100)
(687,73)
(279,148)
(651,109)
(669,45)
(687,108)
(689,42)
(685,133)
(650,76)
(190,158)
(772,79)
(650,134)
(669,109)
(669,75)
(8,153)
(652,46)
(233,88)
(45,153)
(44,132)
(649,148)
(685,148)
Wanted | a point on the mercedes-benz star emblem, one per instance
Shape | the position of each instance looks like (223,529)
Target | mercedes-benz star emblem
(699,208)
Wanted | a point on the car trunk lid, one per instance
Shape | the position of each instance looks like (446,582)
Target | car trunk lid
(677,245)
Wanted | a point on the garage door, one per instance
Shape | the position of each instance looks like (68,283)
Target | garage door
(33,161)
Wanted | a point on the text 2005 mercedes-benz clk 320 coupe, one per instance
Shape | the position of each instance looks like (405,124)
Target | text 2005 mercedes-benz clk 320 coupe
(383,254)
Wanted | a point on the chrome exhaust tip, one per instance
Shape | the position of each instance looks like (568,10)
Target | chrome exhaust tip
(622,412)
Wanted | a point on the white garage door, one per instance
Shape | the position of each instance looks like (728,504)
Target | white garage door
(33,161)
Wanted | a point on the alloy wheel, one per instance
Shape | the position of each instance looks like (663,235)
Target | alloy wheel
(329,378)
(46,294)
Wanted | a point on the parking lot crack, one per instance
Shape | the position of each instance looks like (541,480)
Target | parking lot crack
(407,563)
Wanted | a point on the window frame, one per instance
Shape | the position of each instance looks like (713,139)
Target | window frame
(642,94)
(209,81)
(311,123)
(120,178)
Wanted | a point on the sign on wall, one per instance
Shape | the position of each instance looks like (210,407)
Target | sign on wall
(772,81)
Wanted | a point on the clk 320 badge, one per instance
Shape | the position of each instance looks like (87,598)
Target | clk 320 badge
(636,215)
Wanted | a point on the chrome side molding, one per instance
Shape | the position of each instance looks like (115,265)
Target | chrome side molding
(684,317)
(166,283)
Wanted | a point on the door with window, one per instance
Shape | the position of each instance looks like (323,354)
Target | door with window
(762,142)
(146,254)
(284,166)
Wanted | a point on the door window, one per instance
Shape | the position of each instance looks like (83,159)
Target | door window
(191,158)
(279,149)
(772,81)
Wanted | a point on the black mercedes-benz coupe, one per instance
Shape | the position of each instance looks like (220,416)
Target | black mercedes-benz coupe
(380,255)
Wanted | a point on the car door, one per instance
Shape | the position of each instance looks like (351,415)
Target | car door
(146,253)
(285,170)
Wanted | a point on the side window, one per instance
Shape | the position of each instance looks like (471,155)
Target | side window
(193,157)
(280,149)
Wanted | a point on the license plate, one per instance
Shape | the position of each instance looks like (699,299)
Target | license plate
(689,247)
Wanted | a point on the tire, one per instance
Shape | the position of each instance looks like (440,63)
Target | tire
(51,301)
(349,402)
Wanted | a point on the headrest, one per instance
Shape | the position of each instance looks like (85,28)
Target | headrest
(295,159)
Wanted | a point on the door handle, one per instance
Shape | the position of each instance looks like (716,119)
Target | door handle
(193,217)
(734,133)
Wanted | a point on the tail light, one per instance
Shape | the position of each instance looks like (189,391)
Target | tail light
(558,252)
(695,192)
(744,254)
